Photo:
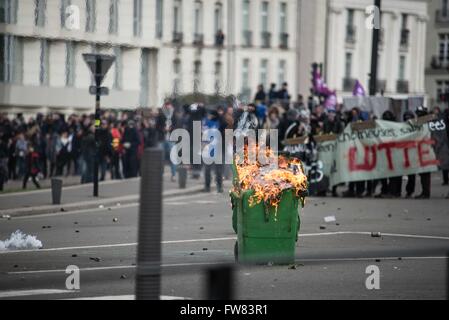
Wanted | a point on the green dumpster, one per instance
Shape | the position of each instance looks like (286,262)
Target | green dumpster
(265,234)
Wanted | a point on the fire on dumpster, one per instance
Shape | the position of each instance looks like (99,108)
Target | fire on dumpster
(270,179)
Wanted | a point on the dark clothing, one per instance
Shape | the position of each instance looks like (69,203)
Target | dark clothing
(32,169)
(260,96)
(218,168)
(88,147)
(131,142)
(445,177)
(333,127)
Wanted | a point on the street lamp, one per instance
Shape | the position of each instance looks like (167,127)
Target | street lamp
(99,65)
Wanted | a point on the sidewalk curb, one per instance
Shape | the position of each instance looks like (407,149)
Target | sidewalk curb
(75,206)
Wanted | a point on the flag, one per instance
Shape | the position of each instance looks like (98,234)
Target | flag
(358,90)
(319,86)
(331,102)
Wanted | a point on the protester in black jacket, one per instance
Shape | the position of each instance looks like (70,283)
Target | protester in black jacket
(104,148)
(131,141)
(424,177)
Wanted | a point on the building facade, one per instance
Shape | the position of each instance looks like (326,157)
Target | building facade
(343,44)
(437,59)
(162,47)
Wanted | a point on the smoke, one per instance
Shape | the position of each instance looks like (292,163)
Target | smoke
(20,241)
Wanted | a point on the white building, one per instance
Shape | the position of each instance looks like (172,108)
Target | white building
(437,60)
(161,47)
(339,38)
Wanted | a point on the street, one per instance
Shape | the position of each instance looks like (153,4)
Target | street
(331,258)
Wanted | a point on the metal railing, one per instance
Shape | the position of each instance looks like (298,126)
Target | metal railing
(198,39)
(439,63)
(442,17)
(402,86)
(266,39)
(405,36)
(247,38)
(351,34)
(283,40)
(177,37)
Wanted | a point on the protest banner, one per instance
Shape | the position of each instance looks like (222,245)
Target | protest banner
(389,150)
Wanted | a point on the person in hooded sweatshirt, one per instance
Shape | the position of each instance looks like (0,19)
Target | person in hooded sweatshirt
(216,126)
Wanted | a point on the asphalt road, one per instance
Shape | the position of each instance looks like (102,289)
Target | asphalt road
(197,234)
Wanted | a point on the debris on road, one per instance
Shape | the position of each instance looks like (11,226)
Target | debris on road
(20,241)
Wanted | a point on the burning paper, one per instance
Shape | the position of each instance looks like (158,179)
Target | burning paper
(20,241)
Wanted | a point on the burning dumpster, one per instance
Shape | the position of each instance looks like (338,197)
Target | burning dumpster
(265,201)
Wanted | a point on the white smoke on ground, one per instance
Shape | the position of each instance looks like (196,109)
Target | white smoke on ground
(20,241)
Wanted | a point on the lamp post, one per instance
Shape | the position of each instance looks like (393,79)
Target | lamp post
(99,65)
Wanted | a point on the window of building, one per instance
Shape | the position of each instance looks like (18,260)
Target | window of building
(282,72)
(404,20)
(64,5)
(137,18)
(198,17)
(350,28)
(264,73)
(70,64)
(11,58)
(177,16)
(350,17)
(218,17)
(159,18)
(245,73)
(264,16)
(178,76)
(144,77)
(39,12)
(44,63)
(246,15)
(8,11)
(348,65)
(443,91)
(283,17)
(218,72)
(118,68)
(197,76)
(402,67)
(91,15)
(113,17)
(444,48)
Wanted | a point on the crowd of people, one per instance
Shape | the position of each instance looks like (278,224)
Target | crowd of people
(56,145)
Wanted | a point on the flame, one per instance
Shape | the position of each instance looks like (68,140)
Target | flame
(269,179)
